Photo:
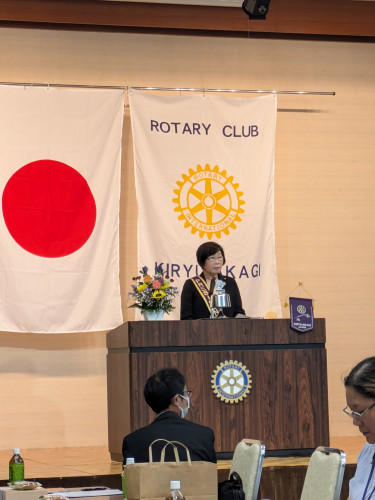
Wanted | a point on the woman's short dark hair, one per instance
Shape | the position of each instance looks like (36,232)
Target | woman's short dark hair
(362,378)
(162,386)
(206,250)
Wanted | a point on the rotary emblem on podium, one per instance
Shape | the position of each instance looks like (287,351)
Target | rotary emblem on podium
(231,381)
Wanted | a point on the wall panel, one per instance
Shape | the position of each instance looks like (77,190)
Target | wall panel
(324,203)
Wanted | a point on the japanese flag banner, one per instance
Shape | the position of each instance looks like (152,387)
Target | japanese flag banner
(204,169)
(60,160)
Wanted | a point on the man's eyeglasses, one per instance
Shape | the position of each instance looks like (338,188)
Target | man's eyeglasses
(189,393)
(355,414)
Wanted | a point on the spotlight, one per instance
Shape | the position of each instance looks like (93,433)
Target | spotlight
(256,9)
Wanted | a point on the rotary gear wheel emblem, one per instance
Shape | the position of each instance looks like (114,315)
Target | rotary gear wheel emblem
(208,201)
(231,381)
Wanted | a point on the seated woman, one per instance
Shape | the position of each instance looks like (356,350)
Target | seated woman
(360,398)
(197,292)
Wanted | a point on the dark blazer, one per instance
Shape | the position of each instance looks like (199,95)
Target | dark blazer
(193,305)
(198,439)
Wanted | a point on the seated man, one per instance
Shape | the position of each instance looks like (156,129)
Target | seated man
(166,393)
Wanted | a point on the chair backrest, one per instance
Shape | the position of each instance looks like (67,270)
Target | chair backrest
(324,474)
(247,462)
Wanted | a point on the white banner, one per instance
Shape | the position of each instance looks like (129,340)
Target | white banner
(60,160)
(204,168)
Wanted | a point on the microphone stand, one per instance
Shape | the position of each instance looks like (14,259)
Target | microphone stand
(210,293)
(212,308)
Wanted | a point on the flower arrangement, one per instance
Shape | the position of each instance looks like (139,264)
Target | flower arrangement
(153,293)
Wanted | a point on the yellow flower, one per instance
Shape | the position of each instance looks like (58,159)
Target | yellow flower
(166,284)
(158,294)
(142,287)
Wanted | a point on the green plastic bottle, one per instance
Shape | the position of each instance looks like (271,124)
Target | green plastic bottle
(16,467)
(129,461)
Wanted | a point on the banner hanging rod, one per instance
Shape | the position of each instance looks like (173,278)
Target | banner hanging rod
(63,85)
(169,89)
(239,91)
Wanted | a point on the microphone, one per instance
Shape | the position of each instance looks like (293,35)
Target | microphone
(212,286)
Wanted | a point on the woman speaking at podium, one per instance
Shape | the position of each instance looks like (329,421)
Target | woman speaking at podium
(197,292)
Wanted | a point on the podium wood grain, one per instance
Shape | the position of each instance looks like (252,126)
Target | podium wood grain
(286,407)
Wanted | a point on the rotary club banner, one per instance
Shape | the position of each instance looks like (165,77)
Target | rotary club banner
(204,169)
(301,314)
(60,159)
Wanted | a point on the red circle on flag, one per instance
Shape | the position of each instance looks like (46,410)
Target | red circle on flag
(48,208)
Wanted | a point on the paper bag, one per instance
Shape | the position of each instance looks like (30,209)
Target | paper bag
(151,481)
(7,493)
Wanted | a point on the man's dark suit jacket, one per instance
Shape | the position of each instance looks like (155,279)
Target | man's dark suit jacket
(193,306)
(198,439)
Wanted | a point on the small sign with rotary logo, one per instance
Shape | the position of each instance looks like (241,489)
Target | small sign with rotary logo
(301,314)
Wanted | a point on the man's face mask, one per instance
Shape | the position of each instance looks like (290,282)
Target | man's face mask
(184,411)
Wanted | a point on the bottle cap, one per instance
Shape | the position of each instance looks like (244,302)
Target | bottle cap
(16,451)
(130,460)
(175,485)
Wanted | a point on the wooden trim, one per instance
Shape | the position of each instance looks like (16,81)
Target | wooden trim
(238,332)
(296,17)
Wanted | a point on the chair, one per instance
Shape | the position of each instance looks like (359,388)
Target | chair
(247,462)
(324,474)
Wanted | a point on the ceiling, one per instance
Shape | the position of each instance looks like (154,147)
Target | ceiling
(341,19)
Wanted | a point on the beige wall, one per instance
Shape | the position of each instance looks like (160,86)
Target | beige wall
(53,387)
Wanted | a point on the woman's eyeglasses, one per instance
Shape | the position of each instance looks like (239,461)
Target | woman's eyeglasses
(212,258)
(355,414)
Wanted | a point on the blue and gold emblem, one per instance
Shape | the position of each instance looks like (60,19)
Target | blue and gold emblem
(231,381)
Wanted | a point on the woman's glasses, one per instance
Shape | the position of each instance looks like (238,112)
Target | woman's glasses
(355,414)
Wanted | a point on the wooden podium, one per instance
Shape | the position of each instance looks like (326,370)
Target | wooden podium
(286,406)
